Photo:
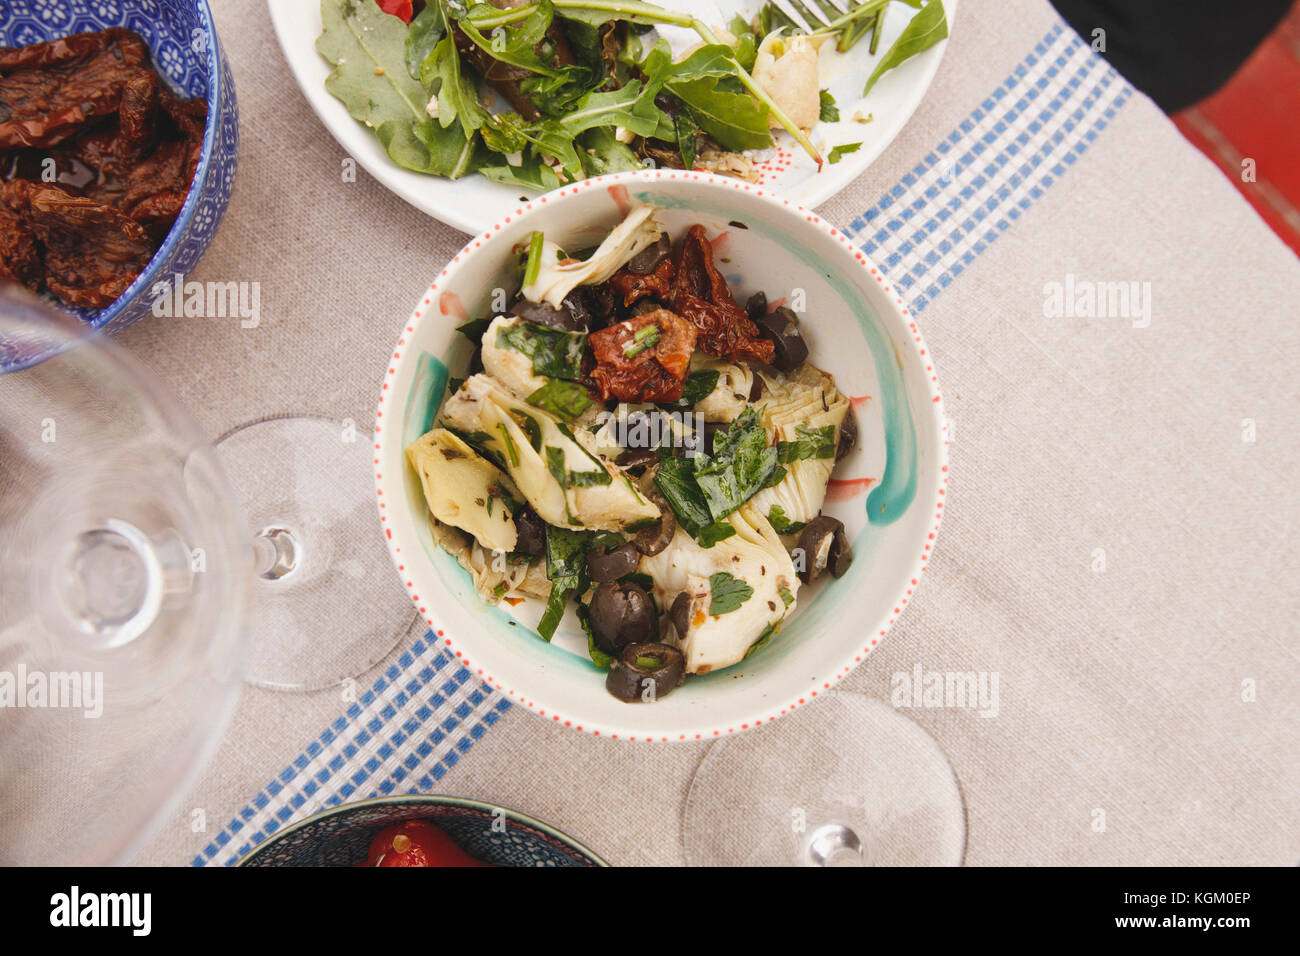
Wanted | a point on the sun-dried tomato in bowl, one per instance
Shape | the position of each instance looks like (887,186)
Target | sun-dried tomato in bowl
(97,157)
(644,358)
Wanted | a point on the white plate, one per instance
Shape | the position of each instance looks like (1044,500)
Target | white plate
(473,203)
(888,491)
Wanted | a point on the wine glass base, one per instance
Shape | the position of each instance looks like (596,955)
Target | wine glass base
(847,780)
(326,606)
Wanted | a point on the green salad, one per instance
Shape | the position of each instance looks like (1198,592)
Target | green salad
(537,94)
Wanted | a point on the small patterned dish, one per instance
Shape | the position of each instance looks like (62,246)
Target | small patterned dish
(186,51)
(340,837)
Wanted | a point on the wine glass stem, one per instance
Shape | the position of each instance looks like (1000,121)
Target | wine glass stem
(275,553)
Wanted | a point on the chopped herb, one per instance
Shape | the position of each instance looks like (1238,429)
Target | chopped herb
(554,612)
(512,451)
(554,352)
(588,479)
(646,662)
(741,463)
(530,428)
(566,400)
(808,443)
(728,593)
(598,657)
(830,113)
(699,386)
(644,339)
(787,596)
(839,152)
(782,524)
(534,267)
(762,640)
(474,329)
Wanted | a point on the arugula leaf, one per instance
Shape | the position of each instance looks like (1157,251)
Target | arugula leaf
(781,524)
(926,28)
(838,152)
(450,152)
(601,153)
(830,113)
(427,28)
(531,173)
(456,92)
(728,593)
(747,42)
(554,352)
(808,443)
(513,44)
(631,106)
(735,119)
(688,132)
(565,400)
(367,48)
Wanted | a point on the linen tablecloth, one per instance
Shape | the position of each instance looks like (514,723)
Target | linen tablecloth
(1118,546)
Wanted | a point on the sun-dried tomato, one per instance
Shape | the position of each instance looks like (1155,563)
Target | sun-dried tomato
(92,251)
(125,149)
(644,358)
(701,296)
(633,287)
(49,91)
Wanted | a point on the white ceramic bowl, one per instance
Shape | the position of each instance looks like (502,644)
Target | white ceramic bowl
(889,491)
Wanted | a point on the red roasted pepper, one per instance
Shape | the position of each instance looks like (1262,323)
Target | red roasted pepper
(398,8)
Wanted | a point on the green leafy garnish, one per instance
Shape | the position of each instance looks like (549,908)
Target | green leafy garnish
(926,28)
(643,339)
(675,479)
(830,113)
(474,329)
(598,657)
(808,443)
(787,596)
(534,265)
(781,524)
(564,400)
(554,352)
(763,639)
(512,450)
(839,152)
(699,386)
(741,463)
(727,593)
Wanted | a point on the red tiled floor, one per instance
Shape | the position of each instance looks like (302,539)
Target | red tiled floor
(1257,116)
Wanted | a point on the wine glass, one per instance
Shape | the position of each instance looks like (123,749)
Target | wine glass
(845,781)
(127,578)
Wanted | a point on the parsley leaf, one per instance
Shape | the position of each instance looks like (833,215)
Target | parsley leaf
(564,400)
(808,443)
(783,525)
(830,113)
(554,352)
(728,593)
(839,152)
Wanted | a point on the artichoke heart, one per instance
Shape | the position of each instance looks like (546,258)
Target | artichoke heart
(731,395)
(510,367)
(553,466)
(807,399)
(754,556)
(558,276)
(464,490)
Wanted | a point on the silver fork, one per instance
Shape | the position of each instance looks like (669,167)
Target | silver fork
(818,11)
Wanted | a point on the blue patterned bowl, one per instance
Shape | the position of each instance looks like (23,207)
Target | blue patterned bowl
(341,837)
(187,53)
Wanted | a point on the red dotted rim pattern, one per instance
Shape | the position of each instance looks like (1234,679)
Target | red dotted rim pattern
(922,352)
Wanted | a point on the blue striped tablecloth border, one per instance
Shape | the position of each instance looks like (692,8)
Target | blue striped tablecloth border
(425,712)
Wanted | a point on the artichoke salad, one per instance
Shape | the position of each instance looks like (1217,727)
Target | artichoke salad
(631,438)
(537,93)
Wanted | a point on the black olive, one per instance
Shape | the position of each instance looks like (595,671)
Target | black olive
(680,612)
(637,458)
(711,430)
(649,258)
(531,531)
(642,306)
(602,301)
(848,434)
(756,390)
(571,317)
(757,305)
(621,613)
(650,541)
(606,566)
(823,532)
(645,672)
(782,327)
